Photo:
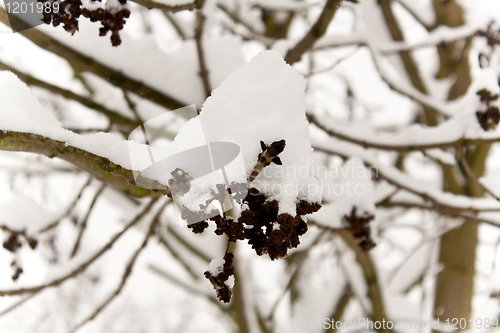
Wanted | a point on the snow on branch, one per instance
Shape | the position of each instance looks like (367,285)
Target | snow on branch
(452,202)
(361,36)
(451,133)
(100,167)
(82,63)
(26,126)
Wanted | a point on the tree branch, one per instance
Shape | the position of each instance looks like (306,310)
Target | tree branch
(149,4)
(81,63)
(83,223)
(113,116)
(98,166)
(198,37)
(315,33)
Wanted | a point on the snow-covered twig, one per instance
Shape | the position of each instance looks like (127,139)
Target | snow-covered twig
(458,203)
(393,143)
(125,124)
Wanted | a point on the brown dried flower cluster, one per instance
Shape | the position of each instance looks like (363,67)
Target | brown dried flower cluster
(359,225)
(218,281)
(267,231)
(70,11)
(13,243)
(490,118)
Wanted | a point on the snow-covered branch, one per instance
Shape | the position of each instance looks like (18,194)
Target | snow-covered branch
(82,63)
(100,167)
(458,203)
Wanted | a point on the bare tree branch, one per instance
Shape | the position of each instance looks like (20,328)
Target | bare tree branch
(315,33)
(68,210)
(150,4)
(83,223)
(114,117)
(198,37)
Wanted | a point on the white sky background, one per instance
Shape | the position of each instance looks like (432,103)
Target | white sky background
(151,304)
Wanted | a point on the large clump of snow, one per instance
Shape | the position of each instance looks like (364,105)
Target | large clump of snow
(264,101)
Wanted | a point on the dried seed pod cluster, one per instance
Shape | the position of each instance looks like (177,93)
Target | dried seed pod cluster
(359,225)
(490,118)
(69,12)
(13,243)
(220,277)
(267,231)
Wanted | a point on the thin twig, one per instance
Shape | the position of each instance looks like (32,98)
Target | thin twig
(175,25)
(176,255)
(188,246)
(80,269)
(316,32)
(198,37)
(68,210)
(150,4)
(238,20)
(301,260)
(16,305)
(470,173)
(83,223)
(415,16)
(184,285)
(126,273)
(332,66)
